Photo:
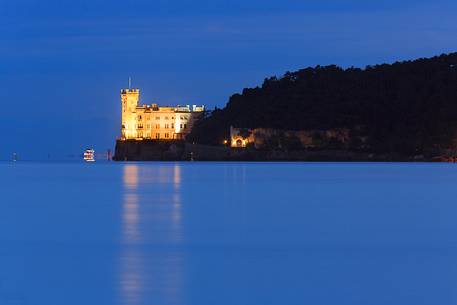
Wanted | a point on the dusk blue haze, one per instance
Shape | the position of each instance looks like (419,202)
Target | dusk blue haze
(62,62)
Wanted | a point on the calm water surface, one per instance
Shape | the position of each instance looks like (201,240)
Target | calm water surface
(228,233)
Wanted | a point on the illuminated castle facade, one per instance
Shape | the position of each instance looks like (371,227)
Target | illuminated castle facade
(141,122)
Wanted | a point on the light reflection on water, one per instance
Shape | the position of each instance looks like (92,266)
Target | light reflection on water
(151,216)
(228,233)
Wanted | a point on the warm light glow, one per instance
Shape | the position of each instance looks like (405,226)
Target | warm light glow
(131,263)
(131,176)
(150,217)
(238,140)
(153,122)
(177,176)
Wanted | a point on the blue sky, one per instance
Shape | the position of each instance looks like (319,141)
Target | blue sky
(62,63)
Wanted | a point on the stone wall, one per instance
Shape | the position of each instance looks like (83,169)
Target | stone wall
(152,150)
(267,138)
(147,150)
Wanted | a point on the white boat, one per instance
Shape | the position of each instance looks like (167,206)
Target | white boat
(89,155)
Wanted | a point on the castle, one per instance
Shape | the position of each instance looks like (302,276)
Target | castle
(141,122)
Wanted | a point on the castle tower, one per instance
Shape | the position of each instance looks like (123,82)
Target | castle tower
(129,99)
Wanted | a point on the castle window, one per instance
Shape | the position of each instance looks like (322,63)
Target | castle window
(157,118)
(167,135)
(166,118)
(172,125)
(139,117)
(185,126)
(157,126)
(157,135)
(166,126)
(140,125)
(180,126)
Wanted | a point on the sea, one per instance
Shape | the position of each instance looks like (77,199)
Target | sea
(216,233)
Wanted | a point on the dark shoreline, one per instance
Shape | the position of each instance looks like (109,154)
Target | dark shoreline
(154,150)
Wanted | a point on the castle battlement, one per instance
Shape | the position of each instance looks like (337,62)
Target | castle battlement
(125,91)
(151,121)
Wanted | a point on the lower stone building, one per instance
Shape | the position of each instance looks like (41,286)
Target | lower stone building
(267,138)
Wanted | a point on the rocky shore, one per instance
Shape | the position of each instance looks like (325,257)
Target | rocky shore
(153,150)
